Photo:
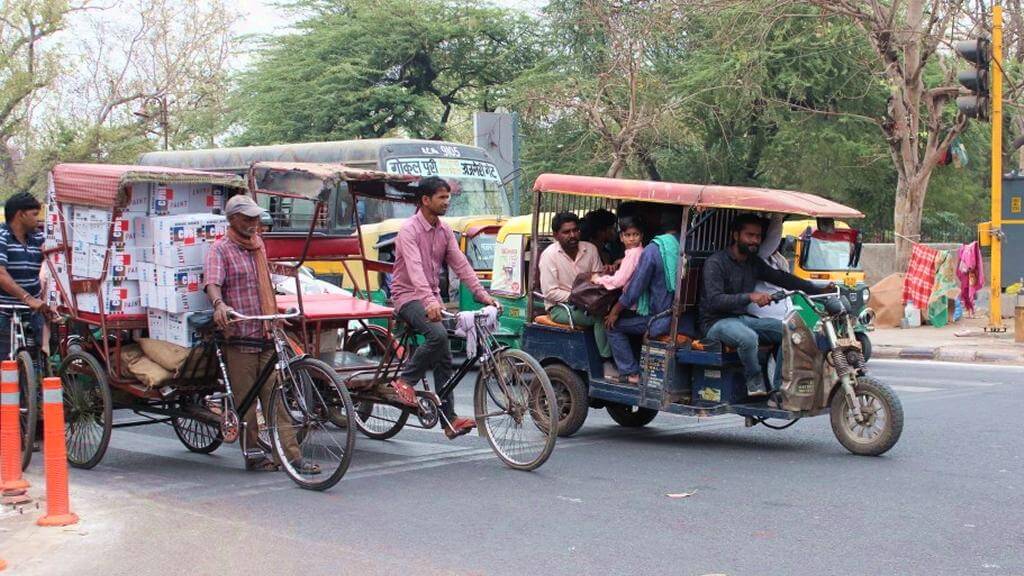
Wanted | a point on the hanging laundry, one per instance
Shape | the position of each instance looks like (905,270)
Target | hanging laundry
(971,274)
(920,279)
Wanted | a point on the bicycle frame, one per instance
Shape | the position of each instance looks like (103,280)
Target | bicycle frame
(18,339)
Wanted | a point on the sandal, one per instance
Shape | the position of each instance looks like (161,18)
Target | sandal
(303,467)
(261,465)
(460,425)
(404,393)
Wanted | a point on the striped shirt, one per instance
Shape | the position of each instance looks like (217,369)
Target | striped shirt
(22,262)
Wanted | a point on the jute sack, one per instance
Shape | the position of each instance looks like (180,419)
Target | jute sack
(148,372)
(169,356)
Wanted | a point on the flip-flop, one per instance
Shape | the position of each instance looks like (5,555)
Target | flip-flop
(261,465)
(460,426)
(404,393)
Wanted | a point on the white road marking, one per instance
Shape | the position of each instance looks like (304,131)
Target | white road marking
(899,388)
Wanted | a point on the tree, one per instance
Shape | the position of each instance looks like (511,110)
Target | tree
(602,70)
(26,69)
(159,69)
(917,122)
(369,68)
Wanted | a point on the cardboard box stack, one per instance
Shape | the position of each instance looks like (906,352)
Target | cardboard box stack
(155,264)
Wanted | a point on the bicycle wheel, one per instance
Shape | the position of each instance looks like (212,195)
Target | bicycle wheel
(516,409)
(380,421)
(88,409)
(198,436)
(301,428)
(28,404)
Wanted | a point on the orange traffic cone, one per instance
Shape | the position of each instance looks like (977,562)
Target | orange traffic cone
(55,458)
(13,489)
(3,565)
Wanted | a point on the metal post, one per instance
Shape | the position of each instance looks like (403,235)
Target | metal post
(996,74)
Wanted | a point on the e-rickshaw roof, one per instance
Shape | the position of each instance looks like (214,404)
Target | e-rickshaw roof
(107,185)
(334,174)
(697,195)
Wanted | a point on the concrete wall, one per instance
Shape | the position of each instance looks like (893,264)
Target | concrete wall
(879,260)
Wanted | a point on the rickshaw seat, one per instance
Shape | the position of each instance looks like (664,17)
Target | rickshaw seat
(681,339)
(698,345)
(546,320)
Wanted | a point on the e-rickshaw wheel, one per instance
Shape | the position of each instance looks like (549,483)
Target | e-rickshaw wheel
(882,426)
(865,345)
(196,435)
(631,416)
(571,395)
(28,404)
(88,409)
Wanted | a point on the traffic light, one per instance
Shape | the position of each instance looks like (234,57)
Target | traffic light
(978,52)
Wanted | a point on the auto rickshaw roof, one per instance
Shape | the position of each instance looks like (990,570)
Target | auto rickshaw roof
(108,185)
(333,174)
(697,195)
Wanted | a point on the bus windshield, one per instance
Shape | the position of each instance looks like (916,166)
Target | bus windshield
(476,184)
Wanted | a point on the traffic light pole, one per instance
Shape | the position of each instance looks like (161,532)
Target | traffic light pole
(995,322)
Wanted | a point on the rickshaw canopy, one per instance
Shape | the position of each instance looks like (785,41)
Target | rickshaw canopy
(697,195)
(108,185)
(334,174)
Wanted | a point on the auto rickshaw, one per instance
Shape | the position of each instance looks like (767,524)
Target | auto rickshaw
(823,367)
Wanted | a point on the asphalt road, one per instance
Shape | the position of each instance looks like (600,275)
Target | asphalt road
(948,499)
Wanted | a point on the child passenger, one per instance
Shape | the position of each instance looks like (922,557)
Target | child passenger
(631,234)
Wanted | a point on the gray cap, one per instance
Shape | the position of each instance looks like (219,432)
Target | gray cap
(244,205)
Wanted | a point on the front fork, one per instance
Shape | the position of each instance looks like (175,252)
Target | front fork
(847,373)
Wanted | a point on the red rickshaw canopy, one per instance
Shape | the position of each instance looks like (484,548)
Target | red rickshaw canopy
(107,185)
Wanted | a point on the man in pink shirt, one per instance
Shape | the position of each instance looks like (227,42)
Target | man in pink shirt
(423,244)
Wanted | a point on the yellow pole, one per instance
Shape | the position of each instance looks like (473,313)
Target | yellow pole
(996,78)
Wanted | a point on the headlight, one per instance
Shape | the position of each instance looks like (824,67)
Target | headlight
(865,295)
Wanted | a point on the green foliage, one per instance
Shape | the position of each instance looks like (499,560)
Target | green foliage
(371,68)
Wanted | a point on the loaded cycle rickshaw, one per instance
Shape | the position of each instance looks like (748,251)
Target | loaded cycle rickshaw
(514,403)
(92,260)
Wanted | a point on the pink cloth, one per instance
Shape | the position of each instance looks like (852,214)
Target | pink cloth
(626,269)
(971,273)
(420,250)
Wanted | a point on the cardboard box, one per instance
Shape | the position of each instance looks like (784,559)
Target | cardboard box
(118,298)
(87,261)
(180,329)
(174,290)
(175,199)
(179,230)
(157,321)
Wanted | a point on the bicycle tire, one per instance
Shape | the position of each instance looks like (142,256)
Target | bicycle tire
(28,404)
(84,403)
(529,402)
(313,376)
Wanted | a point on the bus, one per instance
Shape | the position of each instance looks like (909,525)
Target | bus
(480,203)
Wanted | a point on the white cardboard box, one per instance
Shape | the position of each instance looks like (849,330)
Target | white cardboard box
(179,230)
(157,321)
(180,329)
(118,298)
(174,290)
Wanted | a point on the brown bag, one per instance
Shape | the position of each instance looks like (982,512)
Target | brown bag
(170,356)
(148,372)
(592,298)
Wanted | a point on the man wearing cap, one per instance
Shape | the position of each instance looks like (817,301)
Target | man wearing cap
(237,278)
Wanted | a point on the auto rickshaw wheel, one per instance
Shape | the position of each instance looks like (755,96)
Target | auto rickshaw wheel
(631,416)
(865,345)
(88,409)
(883,418)
(571,395)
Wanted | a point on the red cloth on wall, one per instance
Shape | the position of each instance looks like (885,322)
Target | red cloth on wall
(920,279)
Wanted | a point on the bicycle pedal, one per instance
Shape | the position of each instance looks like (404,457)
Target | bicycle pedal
(429,396)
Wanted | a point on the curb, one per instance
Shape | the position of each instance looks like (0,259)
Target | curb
(947,355)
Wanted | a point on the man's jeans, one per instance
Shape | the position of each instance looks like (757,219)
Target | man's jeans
(622,349)
(745,333)
(581,318)
(435,352)
(33,324)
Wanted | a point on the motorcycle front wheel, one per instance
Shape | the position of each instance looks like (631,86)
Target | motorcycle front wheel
(882,421)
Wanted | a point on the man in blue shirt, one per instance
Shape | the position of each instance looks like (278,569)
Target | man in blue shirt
(21,257)
(650,291)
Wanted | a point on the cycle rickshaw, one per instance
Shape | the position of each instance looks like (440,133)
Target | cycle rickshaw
(824,370)
(514,403)
(197,401)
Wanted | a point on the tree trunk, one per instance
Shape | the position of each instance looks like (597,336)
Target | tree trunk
(617,168)
(910,195)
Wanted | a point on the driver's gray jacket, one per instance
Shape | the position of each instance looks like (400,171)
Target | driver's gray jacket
(727,284)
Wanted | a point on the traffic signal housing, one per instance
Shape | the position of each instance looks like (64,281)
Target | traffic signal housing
(977,103)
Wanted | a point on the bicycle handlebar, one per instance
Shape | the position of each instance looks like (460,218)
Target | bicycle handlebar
(477,313)
(288,315)
(783,294)
(14,307)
